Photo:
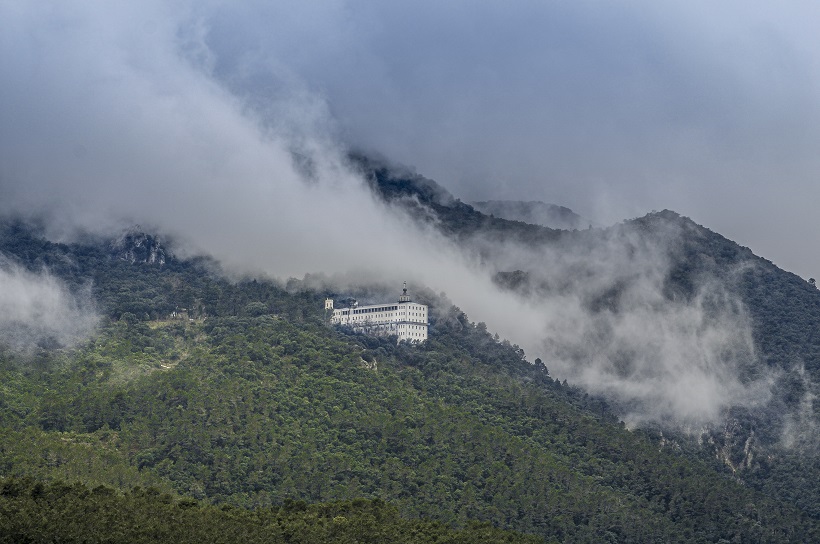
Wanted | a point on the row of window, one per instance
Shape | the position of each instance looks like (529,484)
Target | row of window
(372,310)
(380,316)
(374,321)
(376,310)
(400,324)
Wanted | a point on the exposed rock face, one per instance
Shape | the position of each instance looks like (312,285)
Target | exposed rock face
(138,247)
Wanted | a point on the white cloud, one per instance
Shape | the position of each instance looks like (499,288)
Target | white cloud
(38,309)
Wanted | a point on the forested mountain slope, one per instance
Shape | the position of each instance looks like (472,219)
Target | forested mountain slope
(770,442)
(775,446)
(58,512)
(249,398)
(533,212)
(421,195)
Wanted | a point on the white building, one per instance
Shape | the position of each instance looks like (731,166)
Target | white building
(405,318)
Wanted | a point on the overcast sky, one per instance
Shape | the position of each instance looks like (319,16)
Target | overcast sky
(611,108)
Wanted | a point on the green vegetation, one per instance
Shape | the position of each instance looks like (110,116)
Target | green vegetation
(58,512)
(785,317)
(252,401)
(773,448)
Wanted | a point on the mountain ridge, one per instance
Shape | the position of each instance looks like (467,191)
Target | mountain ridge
(534,212)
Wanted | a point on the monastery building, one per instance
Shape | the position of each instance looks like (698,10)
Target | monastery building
(405,318)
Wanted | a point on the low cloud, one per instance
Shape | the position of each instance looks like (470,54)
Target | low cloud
(609,319)
(658,360)
(800,424)
(38,310)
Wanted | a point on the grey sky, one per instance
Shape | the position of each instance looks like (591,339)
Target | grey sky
(610,108)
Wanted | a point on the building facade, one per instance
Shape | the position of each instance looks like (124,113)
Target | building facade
(405,319)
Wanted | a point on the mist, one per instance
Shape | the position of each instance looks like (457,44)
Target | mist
(38,310)
(617,332)
(116,119)
(115,114)
(710,109)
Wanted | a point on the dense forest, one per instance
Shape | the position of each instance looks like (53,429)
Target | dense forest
(58,512)
(240,395)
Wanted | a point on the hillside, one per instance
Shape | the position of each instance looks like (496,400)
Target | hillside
(768,435)
(420,195)
(34,512)
(533,212)
(252,399)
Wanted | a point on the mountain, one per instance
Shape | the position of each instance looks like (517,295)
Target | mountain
(533,212)
(765,427)
(426,199)
(240,393)
(253,399)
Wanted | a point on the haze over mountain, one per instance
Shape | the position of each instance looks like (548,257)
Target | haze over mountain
(660,314)
(536,213)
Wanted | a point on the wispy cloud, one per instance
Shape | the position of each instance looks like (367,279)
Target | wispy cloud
(612,109)
(38,310)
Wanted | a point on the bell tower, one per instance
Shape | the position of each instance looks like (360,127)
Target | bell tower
(404,296)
